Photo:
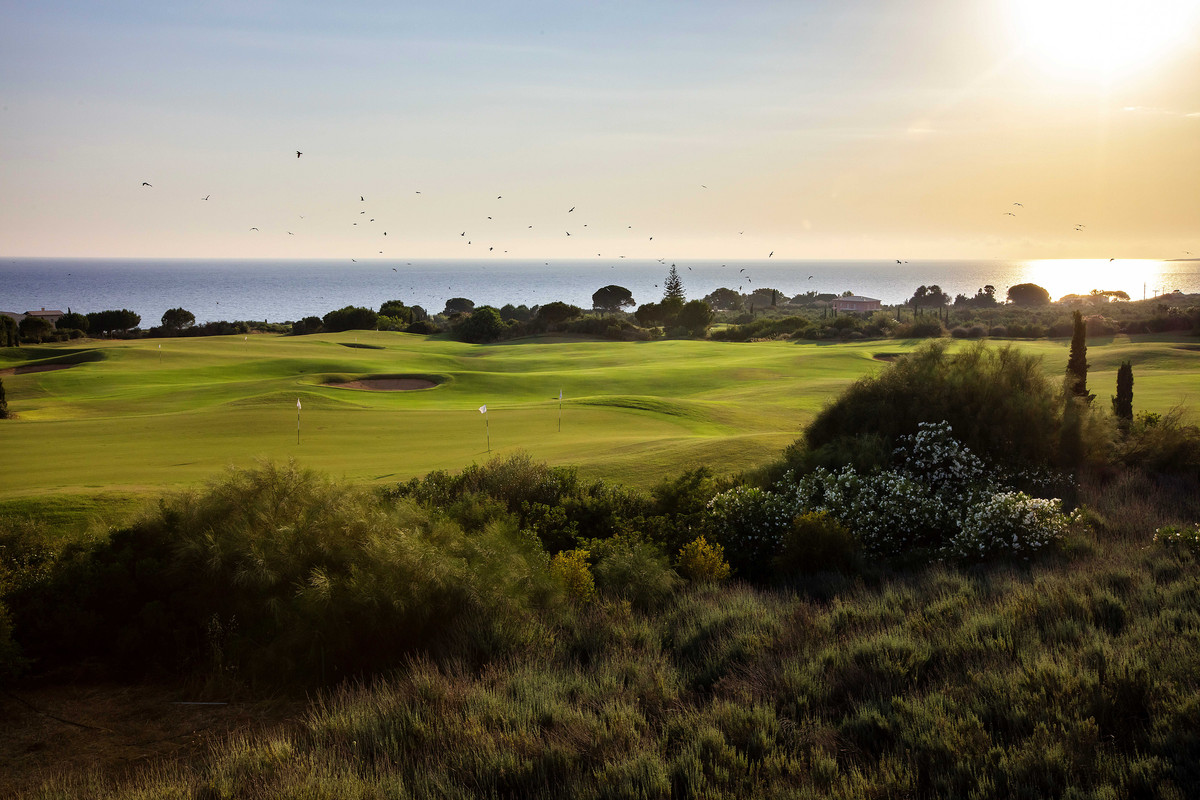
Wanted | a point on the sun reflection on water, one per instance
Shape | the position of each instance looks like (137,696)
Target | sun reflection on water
(1137,276)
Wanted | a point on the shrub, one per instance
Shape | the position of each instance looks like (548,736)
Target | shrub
(570,568)
(309,580)
(817,542)
(702,562)
(350,318)
(1183,537)
(630,568)
(306,326)
(998,401)
(1008,522)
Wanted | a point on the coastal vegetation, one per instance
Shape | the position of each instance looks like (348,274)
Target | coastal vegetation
(929,616)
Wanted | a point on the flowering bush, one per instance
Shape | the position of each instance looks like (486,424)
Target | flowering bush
(938,495)
(1008,522)
(572,570)
(1185,537)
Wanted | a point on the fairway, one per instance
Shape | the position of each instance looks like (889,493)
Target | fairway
(139,416)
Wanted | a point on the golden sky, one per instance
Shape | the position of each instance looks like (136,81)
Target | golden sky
(723,130)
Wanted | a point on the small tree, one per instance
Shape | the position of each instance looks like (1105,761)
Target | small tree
(611,298)
(397,311)
(72,321)
(482,325)
(1122,403)
(350,318)
(673,286)
(177,319)
(9,334)
(724,299)
(557,312)
(306,326)
(3,402)
(1028,294)
(696,316)
(1077,365)
(36,329)
(459,305)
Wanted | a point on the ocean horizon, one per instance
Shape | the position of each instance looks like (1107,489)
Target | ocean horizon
(276,290)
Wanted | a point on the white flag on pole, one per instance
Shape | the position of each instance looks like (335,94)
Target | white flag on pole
(560,394)
(297,403)
(483,409)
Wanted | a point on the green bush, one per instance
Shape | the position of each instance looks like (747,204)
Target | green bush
(630,568)
(702,562)
(306,579)
(998,400)
(817,542)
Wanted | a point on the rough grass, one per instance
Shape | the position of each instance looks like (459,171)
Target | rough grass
(1072,677)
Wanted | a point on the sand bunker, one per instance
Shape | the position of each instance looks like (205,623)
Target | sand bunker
(35,368)
(387,384)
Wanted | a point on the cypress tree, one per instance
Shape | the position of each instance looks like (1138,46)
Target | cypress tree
(1123,402)
(1077,365)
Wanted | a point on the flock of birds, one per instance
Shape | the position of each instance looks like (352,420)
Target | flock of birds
(470,236)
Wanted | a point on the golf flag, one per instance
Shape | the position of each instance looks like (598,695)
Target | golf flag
(297,420)
(487,425)
(297,403)
(483,409)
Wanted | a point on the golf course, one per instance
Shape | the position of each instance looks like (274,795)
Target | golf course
(134,417)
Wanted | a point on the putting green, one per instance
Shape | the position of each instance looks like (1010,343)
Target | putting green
(138,416)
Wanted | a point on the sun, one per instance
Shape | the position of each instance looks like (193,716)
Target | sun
(1102,38)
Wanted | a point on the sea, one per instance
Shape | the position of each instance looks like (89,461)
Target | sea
(288,290)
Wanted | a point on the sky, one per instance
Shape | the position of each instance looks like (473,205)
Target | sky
(804,129)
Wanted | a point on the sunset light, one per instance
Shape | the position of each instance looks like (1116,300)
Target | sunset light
(1103,38)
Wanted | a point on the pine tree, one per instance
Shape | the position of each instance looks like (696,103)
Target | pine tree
(1077,365)
(672,286)
(1123,402)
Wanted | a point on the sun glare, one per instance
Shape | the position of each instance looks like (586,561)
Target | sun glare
(1102,38)
(1062,276)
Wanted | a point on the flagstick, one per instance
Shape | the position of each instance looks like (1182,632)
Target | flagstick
(488,425)
(297,421)
(560,410)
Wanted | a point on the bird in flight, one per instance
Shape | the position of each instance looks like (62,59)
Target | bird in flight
(206,197)
(1009,213)
(770,254)
(362,199)
(254,229)
(146,184)
(569,210)
(1017,204)
(298,154)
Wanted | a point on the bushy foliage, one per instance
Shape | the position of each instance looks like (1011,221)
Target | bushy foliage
(998,401)
(630,568)
(937,497)
(350,318)
(702,562)
(817,542)
(304,578)
(1185,537)
(572,570)
(480,326)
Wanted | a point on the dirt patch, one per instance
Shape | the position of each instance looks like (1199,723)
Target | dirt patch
(52,731)
(387,384)
(35,368)
(886,356)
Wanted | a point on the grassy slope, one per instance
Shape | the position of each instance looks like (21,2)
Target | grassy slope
(144,418)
